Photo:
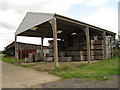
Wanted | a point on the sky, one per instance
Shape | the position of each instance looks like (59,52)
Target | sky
(101,13)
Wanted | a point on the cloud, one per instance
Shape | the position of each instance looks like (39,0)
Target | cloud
(59,6)
(8,26)
(105,18)
(95,2)
(9,22)
(6,36)
(13,11)
(10,17)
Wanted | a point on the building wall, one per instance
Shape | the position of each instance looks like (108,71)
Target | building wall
(24,49)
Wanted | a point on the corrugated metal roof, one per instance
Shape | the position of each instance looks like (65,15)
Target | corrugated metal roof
(32,19)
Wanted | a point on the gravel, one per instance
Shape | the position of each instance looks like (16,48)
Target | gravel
(83,83)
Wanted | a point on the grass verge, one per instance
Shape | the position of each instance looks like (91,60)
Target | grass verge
(96,70)
(16,62)
(12,60)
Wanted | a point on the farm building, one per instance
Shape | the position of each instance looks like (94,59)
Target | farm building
(72,40)
(24,49)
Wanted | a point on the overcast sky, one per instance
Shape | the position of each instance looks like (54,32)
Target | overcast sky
(102,13)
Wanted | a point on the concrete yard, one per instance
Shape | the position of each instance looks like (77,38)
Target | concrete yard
(19,77)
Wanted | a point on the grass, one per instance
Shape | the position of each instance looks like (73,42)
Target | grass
(28,66)
(96,70)
(12,60)
(16,62)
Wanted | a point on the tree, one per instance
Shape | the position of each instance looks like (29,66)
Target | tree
(4,51)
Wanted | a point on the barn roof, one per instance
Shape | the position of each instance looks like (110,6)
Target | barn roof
(12,45)
(32,19)
(40,21)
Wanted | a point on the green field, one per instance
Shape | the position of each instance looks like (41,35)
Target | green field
(96,70)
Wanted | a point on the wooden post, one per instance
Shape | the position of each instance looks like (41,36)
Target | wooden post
(16,55)
(88,43)
(115,45)
(54,28)
(20,53)
(104,44)
(42,55)
(111,46)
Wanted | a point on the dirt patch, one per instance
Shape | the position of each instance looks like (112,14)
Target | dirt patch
(14,76)
(47,66)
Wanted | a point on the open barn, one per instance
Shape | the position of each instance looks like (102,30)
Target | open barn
(73,40)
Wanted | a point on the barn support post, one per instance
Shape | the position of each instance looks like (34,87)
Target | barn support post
(86,29)
(55,44)
(42,55)
(111,46)
(114,45)
(104,44)
(16,55)
(21,53)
